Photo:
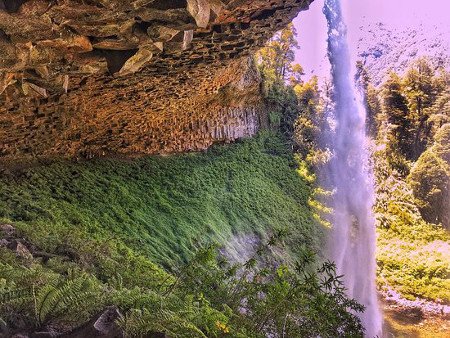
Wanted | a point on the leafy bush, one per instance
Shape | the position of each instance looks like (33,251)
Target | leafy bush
(274,299)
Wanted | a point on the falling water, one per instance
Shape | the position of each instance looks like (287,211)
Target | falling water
(352,241)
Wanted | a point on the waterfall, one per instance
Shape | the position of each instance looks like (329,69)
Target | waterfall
(352,238)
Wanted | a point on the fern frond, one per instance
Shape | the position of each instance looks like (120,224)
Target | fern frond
(14,296)
(69,298)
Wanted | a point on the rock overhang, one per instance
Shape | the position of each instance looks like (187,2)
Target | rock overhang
(77,77)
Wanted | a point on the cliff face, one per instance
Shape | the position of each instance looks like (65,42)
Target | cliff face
(385,48)
(88,78)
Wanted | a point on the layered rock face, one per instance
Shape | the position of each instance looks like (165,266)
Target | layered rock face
(96,77)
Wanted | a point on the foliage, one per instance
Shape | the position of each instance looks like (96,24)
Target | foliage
(307,126)
(284,109)
(295,104)
(414,115)
(407,117)
(275,60)
(158,207)
(281,75)
(297,111)
(273,299)
(395,110)
(370,97)
(413,255)
(430,180)
(89,255)
(415,105)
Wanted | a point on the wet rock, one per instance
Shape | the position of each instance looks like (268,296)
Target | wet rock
(200,10)
(33,7)
(112,44)
(42,71)
(30,89)
(24,29)
(45,335)
(187,39)
(22,251)
(6,80)
(162,33)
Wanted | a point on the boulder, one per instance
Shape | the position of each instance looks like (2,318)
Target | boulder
(136,62)
(7,229)
(22,251)
(103,325)
(200,11)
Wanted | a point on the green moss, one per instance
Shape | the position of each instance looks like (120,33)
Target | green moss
(162,207)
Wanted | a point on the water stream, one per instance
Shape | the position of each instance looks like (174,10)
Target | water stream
(352,241)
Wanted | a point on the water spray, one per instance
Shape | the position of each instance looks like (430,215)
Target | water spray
(352,240)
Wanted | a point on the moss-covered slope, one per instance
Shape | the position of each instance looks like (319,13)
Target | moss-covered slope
(161,207)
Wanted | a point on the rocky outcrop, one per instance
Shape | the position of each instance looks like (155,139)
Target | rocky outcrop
(385,48)
(86,78)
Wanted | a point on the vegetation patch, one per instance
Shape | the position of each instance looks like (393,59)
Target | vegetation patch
(162,207)
(80,242)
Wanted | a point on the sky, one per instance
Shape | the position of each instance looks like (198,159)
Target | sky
(311,24)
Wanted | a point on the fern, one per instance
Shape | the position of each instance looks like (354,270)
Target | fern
(70,298)
(26,277)
(138,323)
(11,297)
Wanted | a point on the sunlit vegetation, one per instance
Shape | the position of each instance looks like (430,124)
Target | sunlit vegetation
(413,255)
(94,230)
(161,206)
(412,165)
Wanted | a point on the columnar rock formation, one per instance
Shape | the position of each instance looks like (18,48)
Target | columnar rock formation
(87,78)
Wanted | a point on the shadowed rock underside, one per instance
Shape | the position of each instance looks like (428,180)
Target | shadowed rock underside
(90,78)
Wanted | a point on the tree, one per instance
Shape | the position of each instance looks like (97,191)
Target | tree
(280,74)
(440,110)
(420,94)
(370,98)
(276,59)
(395,108)
(296,74)
(307,125)
(430,180)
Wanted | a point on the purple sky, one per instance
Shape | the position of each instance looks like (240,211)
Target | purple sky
(311,25)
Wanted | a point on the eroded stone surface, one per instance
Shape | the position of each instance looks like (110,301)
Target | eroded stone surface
(86,78)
